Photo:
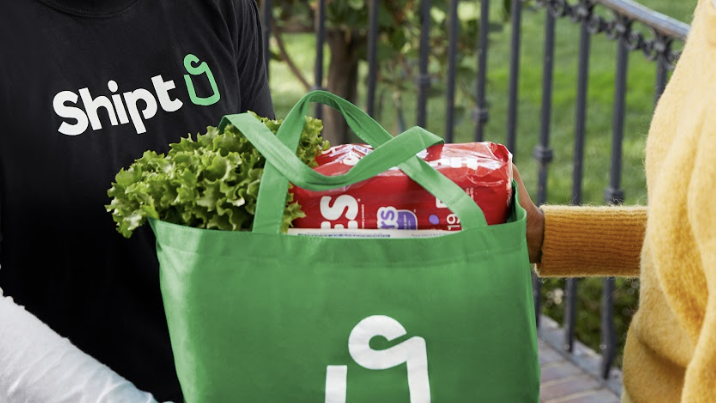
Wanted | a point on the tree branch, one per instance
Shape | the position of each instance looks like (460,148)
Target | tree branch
(284,55)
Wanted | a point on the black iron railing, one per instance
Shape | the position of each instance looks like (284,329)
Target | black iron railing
(654,38)
(663,32)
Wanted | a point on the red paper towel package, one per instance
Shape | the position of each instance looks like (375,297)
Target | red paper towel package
(393,201)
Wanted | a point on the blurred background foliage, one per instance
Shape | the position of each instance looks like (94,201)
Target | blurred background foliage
(398,49)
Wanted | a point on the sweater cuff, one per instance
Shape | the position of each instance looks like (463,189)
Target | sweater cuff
(592,241)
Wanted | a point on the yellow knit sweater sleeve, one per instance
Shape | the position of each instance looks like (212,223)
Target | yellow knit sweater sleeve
(592,241)
(700,380)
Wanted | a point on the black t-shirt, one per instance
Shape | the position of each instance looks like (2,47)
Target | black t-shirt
(86,86)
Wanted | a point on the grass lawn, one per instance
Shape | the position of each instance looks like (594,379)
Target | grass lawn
(640,102)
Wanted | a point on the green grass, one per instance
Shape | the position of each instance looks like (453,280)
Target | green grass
(640,102)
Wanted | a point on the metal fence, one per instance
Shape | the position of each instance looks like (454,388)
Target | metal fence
(654,37)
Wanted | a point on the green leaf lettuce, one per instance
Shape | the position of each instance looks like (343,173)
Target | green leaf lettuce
(211,182)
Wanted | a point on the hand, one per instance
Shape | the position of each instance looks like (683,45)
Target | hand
(535,220)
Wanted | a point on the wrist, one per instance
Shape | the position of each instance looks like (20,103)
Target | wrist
(535,234)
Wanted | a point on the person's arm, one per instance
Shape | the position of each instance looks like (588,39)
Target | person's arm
(592,241)
(251,65)
(37,365)
(576,241)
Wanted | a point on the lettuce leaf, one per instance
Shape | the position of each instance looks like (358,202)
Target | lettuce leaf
(211,182)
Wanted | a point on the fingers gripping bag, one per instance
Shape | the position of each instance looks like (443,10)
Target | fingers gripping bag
(269,317)
(391,200)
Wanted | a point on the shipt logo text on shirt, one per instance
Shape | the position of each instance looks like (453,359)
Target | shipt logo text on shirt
(125,107)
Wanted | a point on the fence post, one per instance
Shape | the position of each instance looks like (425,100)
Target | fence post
(372,54)
(266,22)
(320,29)
(480,114)
(453,27)
(515,45)
(423,79)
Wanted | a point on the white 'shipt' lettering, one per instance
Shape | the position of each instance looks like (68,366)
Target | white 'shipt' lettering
(133,106)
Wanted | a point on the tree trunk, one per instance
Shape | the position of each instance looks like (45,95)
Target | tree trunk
(342,81)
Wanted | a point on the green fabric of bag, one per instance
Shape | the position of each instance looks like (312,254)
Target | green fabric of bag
(263,316)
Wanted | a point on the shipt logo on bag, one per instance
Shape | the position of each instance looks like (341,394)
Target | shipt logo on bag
(124,108)
(412,352)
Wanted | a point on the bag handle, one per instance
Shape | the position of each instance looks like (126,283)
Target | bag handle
(283,166)
(399,148)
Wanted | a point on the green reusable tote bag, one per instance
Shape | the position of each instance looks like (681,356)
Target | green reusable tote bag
(266,317)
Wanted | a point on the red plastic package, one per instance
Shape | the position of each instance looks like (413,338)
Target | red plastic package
(392,200)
